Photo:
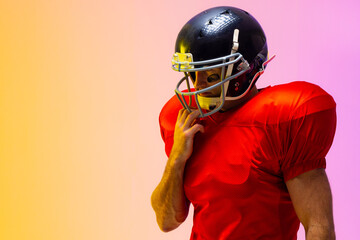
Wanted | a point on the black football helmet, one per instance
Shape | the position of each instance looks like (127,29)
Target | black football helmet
(222,37)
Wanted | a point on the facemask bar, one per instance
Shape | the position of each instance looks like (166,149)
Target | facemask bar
(183,62)
(188,87)
(189,66)
(222,98)
(181,95)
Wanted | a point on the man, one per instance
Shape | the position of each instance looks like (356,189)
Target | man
(250,161)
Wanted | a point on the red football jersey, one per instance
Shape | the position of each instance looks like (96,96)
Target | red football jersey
(236,176)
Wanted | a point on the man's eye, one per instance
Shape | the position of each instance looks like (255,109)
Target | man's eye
(213,77)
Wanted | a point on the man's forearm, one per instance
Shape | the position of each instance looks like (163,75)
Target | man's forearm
(168,199)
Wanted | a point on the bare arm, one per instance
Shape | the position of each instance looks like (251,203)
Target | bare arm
(168,199)
(311,196)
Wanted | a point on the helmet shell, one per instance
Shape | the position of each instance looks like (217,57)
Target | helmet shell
(209,35)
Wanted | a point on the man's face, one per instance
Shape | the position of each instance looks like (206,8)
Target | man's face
(205,79)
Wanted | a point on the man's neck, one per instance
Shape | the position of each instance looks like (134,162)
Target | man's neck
(237,103)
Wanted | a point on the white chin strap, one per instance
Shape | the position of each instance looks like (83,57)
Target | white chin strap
(210,103)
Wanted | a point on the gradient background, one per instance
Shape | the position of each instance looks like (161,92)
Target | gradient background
(81,86)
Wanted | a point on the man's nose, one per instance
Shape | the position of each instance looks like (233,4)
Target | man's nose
(200,81)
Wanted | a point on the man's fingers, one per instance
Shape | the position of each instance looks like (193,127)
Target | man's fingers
(183,113)
(196,128)
(180,113)
(191,117)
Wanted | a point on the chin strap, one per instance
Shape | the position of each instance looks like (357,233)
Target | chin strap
(210,103)
(234,49)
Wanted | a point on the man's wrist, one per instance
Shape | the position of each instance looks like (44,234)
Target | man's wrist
(177,162)
(320,232)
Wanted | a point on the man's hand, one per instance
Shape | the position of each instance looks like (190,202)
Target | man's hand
(168,199)
(184,134)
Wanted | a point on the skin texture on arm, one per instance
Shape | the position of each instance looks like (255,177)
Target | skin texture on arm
(311,196)
(168,199)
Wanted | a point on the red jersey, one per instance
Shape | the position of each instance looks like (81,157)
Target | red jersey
(235,177)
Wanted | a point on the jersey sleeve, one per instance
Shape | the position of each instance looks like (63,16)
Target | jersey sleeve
(310,135)
(168,138)
(167,120)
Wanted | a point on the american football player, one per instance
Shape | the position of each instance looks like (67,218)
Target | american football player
(251,161)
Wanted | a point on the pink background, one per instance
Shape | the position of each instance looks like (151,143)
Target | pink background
(81,86)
